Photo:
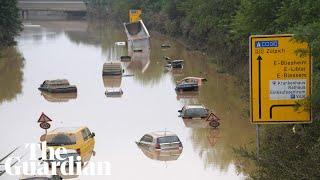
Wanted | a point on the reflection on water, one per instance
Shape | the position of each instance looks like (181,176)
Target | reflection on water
(77,50)
(58,97)
(11,75)
(161,155)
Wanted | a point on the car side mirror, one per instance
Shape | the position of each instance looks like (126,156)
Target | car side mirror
(93,134)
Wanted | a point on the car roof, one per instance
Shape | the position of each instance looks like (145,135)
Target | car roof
(157,134)
(194,106)
(66,130)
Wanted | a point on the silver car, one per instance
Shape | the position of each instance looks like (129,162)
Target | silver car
(194,111)
(160,140)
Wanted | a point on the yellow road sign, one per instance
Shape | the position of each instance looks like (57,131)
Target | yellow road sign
(134,15)
(280,78)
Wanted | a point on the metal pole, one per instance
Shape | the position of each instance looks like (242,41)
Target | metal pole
(257,139)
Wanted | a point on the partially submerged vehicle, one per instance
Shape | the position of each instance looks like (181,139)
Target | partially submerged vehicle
(138,36)
(125,58)
(197,80)
(65,155)
(59,97)
(198,116)
(114,92)
(194,111)
(57,86)
(120,43)
(80,139)
(175,64)
(161,155)
(187,86)
(112,69)
(165,45)
(160,140)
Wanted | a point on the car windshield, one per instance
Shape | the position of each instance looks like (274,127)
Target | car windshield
(61,139)
(196,112)
(168,139)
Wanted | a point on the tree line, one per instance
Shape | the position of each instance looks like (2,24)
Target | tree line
(10,23)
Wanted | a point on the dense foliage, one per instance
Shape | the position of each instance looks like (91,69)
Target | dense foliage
(10,24)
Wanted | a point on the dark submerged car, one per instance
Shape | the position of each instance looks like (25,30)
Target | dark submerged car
(187,86)
(57,86)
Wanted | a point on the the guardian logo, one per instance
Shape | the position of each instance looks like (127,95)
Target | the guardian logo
(266,44)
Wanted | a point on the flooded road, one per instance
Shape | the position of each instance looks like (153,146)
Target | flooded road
(77,50)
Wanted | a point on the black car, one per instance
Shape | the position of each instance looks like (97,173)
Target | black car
(187,86)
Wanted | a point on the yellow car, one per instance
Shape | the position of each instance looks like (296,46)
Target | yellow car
(77,138)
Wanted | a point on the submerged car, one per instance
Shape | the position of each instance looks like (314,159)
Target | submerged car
(160,140)
(114,92)
(194,111)
(125,58)
(197,116)
(165,45)
(69,153)
(112,69)
(175,64)
(187,86)
(57,86)
(80,139)
(196,80)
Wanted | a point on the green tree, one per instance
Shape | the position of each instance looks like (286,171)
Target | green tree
(10,24)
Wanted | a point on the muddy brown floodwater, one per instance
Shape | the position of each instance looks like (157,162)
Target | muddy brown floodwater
(77,50)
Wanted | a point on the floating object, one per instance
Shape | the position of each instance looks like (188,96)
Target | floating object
(57,86)
(197,80)
(165,45)
(125,58)
(114,92)
(120,43)
(112,69)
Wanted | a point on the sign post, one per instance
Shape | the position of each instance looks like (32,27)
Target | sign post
(44,122)
(280,77)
